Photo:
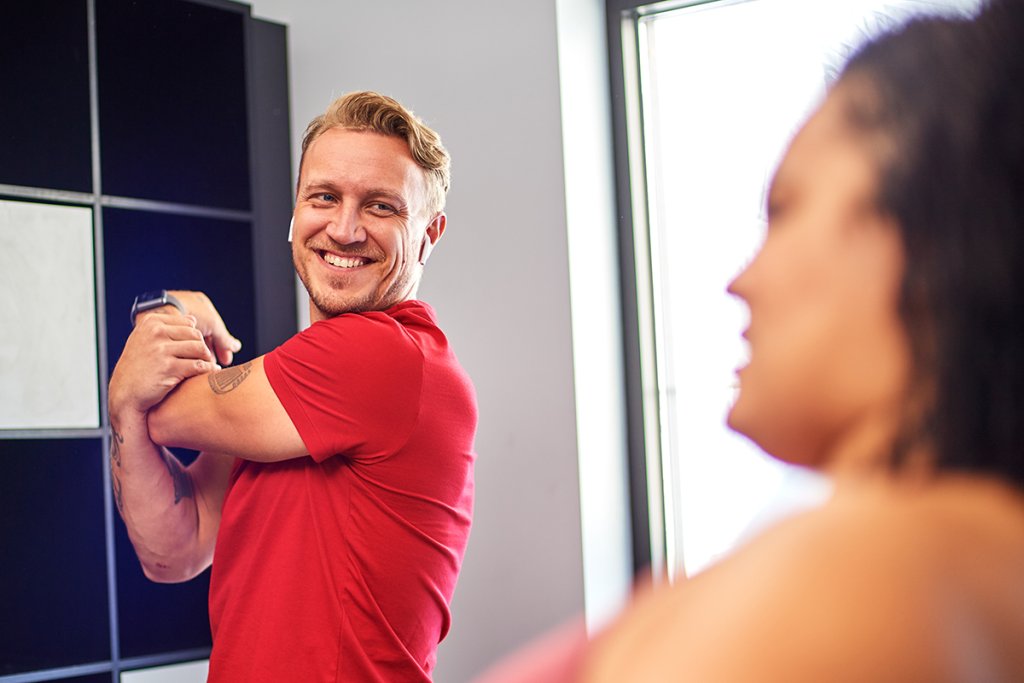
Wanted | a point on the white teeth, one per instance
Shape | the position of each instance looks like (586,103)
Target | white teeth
(341,262)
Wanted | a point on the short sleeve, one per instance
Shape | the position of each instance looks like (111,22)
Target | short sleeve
(351,385)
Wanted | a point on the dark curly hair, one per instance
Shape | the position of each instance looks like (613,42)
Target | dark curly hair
(942,102)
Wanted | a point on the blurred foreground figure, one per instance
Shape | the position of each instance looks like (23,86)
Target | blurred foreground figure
(886,339)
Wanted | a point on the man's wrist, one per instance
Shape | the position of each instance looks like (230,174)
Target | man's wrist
(121,409)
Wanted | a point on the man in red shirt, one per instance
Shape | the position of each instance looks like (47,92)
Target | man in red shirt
(335,474)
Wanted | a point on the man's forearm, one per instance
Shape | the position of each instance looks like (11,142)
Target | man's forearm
(172,513)
(156,497)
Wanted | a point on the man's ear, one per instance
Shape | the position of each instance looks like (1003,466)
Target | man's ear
(431,234)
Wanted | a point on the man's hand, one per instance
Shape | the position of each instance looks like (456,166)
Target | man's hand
(208,321)
(163,350)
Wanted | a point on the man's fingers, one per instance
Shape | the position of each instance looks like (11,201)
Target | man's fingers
(181,333)
(176,336)
(157,320)
(220,341)
(224,346)
(188,349)
(176,370)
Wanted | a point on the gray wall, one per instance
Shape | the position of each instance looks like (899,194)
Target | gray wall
(485,75)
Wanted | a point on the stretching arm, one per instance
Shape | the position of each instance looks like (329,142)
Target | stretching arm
(234,409)
(171,512)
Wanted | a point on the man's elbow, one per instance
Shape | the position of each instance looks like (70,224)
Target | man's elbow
(165,573)
(160,425)
(173,565)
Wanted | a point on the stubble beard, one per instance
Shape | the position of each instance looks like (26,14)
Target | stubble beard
(334,302)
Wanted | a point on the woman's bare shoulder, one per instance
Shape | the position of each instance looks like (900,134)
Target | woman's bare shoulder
(887,582)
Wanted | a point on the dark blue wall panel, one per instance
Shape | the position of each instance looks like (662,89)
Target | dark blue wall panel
(173,120)
(44,127)
(145,251)
(53,577)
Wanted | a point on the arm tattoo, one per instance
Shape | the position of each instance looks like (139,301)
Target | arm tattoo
(181,478)
(116,439)
(115,445)
(118,491)
(228,380)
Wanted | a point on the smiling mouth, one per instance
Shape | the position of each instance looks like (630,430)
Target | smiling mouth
(343,261)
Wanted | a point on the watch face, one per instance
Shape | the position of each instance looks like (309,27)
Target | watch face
(149,300)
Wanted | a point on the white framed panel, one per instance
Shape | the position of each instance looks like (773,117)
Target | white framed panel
(189,672)
(48,359)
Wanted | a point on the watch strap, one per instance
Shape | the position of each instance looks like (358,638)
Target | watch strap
(147,301)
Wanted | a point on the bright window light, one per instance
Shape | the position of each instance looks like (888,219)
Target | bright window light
(723,87)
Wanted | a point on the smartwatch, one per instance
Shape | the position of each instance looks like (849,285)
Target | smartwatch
(147,301)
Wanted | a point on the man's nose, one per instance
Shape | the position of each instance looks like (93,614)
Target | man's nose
(345,226)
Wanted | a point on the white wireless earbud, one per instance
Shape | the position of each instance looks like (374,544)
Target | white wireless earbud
(291,227)
(425,249)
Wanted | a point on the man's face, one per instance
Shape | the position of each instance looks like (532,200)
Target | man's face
(361,226)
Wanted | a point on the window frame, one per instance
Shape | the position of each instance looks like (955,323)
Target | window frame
(647,515)
(650,499)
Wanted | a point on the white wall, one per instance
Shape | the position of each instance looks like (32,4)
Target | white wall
(485,75)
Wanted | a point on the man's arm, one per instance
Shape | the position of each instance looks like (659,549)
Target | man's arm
(171,512)
(216,412)
(234,410)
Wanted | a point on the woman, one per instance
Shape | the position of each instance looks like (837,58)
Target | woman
(886,343)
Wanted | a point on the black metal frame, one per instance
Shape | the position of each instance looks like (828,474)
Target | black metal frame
(639,482)
(648,534)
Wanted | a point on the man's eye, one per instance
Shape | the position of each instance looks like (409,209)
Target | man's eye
(325,197)
(381,207)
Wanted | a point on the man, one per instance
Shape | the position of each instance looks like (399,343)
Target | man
(335,474)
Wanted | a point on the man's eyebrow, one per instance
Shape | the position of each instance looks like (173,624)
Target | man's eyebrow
(391,195)
(316,185)
(318,182)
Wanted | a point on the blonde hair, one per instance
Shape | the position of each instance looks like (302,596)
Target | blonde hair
(370,111)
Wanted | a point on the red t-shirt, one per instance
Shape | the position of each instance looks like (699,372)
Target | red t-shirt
(341,566)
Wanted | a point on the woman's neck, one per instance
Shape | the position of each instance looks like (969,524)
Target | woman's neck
(866,450)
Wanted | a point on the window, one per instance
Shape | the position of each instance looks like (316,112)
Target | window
(713,91)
